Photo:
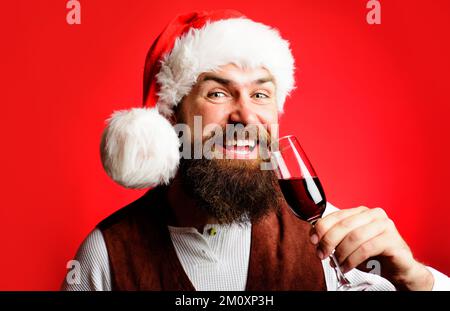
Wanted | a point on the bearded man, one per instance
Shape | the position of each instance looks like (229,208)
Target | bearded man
(220,222)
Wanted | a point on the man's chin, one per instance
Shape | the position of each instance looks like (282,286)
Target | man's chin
(226,188)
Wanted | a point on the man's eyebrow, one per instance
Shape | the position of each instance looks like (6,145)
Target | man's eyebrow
(216,79)
(227,82)
(265,80)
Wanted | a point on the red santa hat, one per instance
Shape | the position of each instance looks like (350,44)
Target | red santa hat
(140,147)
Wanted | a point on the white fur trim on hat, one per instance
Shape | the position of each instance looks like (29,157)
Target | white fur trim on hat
(239,41)
(140,148)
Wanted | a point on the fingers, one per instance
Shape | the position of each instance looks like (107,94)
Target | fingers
(353,240)
(370,248)
(333,231)
(324,224)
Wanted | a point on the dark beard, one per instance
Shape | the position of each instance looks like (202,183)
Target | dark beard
(231,191)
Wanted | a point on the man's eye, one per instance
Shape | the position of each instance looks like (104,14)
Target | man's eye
(260,95)
(216,95)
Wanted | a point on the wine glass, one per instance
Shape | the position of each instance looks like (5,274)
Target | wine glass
(303,192)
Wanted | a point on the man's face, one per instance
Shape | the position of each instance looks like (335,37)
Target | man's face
(231,95)
(226,188)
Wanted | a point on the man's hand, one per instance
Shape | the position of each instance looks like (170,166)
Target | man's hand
(360,233)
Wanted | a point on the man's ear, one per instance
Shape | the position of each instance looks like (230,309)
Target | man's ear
(174,117)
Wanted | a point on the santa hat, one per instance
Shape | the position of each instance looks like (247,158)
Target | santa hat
(140,147)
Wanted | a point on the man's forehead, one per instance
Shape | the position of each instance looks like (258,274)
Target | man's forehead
(232,74)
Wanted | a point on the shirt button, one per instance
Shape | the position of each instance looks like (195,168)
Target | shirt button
(212,231)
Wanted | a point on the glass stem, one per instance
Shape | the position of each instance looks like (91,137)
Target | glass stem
(342,280)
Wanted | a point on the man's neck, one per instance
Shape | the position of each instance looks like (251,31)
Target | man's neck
(184,209)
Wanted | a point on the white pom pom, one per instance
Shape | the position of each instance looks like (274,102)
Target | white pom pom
(140,148)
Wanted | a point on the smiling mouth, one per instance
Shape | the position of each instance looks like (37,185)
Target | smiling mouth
(241,144)
(239,148)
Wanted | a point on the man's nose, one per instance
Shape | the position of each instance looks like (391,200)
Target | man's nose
(243,112)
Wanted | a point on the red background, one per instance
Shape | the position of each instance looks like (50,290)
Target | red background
(371,110)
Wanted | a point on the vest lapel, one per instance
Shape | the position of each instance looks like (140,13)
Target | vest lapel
(173,276)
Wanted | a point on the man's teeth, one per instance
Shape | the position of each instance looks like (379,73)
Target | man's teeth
(241,143)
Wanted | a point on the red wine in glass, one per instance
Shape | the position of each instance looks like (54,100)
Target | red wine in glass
(305,197)
(303,192)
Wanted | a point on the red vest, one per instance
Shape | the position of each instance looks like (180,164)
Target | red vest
(142,256)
